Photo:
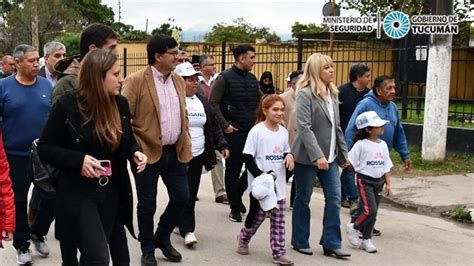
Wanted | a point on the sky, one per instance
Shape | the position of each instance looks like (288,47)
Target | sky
(197,17)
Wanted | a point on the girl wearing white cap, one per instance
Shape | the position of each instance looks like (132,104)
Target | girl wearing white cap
(370,159)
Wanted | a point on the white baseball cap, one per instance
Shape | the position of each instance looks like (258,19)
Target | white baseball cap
(263,189)
(369,119)
(185,70)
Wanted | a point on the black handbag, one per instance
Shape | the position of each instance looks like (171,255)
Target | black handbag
(45,175)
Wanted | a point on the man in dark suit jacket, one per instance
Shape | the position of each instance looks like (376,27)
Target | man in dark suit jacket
(8,66)
(53,53)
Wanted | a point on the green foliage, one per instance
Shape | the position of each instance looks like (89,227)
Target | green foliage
(311,28)
(166,28)
(71,41)
(462,8)
(461,213)
(54,18)
(454,164)
(463,110)
(91,11)
(121,28)
(135,36)
(240,31)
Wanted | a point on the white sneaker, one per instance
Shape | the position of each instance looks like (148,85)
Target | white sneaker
(353,235)
(190,239)
(23,256)
(368,246)
(40,244)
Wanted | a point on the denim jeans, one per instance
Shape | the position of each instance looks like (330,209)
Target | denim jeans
(348,183)
(174,174)
(21,176)
(331,183)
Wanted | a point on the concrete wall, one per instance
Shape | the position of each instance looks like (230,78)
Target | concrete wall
(459,140)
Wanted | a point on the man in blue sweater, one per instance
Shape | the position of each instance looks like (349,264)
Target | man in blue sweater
(380,100)
(350,94)
(25,101)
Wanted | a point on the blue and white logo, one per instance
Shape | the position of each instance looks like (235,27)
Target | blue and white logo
(396,24)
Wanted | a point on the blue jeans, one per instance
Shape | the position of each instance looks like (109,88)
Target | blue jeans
(175,178)
(349,188)
(304,176)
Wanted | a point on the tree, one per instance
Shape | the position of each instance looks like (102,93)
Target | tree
(462,8)
(71,41)
(166,28)
(121,28)
(91,11)
(135,36)
(54,17)
(311,28)
(240,31)
(17,26)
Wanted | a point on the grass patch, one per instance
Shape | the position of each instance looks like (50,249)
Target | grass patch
(461,213)
(454,164)
(416,116)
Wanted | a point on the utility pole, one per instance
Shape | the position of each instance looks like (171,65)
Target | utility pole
(435,122)
(120,12)
(34,25)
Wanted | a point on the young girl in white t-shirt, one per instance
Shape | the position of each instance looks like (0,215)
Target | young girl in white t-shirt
(267,149)
(370,159)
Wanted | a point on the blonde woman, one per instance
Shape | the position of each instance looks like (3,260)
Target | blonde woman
(318,149)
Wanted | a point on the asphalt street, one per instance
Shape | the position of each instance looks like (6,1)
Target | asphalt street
(407,239)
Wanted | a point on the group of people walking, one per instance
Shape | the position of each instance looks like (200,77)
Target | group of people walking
(169,120)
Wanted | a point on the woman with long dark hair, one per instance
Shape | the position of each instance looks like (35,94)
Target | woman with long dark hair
(88,136)
(266,83)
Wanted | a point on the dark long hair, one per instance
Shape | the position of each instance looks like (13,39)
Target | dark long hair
(362,134)
(95,105)
(265,103)
(267,89)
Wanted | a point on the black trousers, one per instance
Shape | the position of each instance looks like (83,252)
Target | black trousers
(175,179)
(21,177)
(370,192)
(118,247)
(44,204)
(95,223)
(235,184)
(187,222)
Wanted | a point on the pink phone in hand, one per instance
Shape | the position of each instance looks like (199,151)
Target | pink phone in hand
(108,167)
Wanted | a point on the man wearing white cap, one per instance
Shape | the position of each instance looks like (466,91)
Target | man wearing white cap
(380,100)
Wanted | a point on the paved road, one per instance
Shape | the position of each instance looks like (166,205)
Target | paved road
(408,239)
